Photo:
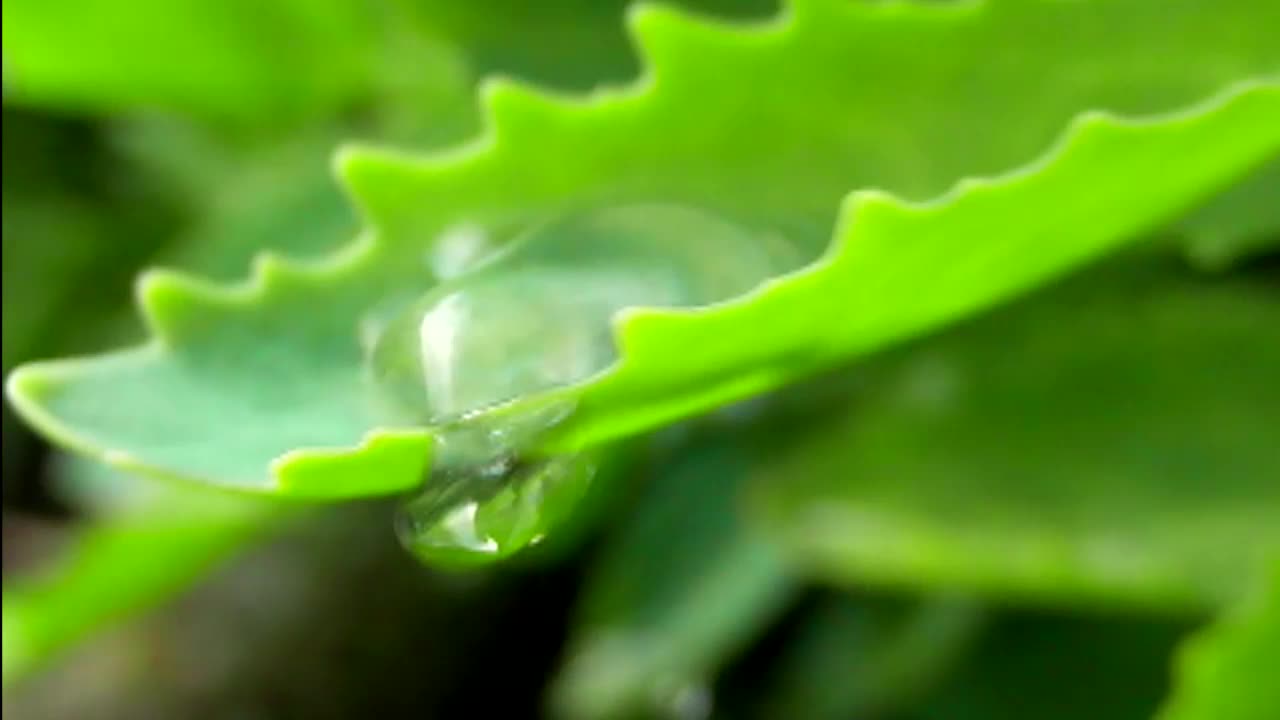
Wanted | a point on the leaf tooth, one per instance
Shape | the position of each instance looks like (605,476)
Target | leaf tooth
(819,12)
(272,271)
(871,217)
(517,112)
(382,182)
(362,169)
(667,37)
(168,300)
(174,303)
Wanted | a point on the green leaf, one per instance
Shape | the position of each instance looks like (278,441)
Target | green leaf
(281,354)
(139,543)
(1228,672)
(1238,224)
(305,59)
(514,38)
(38,276)
(1110,440)
(999,238)
(54,240)
(864,657)
(120,566)
(1057,667)
(228,60)
(680,587)
(69,252)
(244,199)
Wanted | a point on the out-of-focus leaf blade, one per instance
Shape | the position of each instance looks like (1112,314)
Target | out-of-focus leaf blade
(1108,440)
(228,60)
(113,569)
(675,594)
(1229,671)
(1053,667)
(867,657)
(1239,223)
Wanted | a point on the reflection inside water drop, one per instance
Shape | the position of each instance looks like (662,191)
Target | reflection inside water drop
(534,318)
(457,250)
(494,506)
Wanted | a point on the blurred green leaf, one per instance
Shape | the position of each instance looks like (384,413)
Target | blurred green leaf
(72,241)
(861,657)
(1229,671)
(245,200)
(227,60)
(680,587)
(119,567)
(1051,667)
(298,60)
(1111,439)
(280,197)
(50,245)
(1239,223)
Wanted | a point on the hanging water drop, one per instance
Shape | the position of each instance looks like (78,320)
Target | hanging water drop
(536,317)
(480,513)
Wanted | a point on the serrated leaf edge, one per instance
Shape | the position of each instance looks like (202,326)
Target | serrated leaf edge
(649,26)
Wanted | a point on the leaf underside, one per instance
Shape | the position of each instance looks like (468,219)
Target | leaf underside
(1228,671)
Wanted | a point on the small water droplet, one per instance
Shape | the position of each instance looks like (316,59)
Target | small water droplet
(534,318)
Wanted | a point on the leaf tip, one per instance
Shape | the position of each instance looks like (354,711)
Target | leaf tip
(23,387)
(29,389)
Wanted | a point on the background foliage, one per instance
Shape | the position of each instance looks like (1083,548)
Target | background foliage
(974,488)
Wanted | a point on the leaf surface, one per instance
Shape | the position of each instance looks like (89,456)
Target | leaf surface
(270,372)
(1228,671)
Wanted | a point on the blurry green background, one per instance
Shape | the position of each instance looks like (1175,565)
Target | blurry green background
(129,140)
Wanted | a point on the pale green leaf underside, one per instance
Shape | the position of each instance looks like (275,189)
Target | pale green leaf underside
(1111,440)
(1229,671)
(239,383)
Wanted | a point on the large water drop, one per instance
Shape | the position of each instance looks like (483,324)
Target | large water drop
(532,318)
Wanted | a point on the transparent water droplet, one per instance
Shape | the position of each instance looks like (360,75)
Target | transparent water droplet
(474,513)
(534,318)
